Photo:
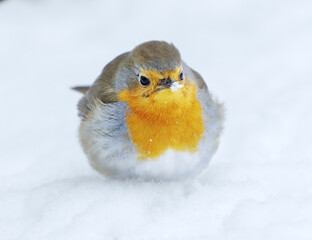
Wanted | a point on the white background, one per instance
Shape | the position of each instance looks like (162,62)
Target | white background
(256,57)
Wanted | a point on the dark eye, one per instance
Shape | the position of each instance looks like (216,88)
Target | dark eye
(144,80)
(181,76)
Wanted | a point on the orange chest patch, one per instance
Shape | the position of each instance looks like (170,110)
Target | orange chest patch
(164,120)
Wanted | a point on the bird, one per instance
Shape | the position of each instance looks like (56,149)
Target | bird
(149,116)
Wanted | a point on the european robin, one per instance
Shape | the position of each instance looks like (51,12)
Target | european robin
(149,116)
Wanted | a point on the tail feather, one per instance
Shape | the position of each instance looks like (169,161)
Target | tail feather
(81,89)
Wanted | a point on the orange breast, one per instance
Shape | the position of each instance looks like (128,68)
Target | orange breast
(164,120)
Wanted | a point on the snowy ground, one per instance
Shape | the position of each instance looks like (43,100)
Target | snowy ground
(256,56)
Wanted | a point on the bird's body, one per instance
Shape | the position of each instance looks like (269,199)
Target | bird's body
(149,116)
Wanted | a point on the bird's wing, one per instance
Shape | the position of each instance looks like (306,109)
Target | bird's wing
(196,77)
(199,80)
(103,89)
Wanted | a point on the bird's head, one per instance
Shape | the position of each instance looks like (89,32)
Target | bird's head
(157,80)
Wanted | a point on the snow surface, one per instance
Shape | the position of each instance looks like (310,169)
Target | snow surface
(256,56)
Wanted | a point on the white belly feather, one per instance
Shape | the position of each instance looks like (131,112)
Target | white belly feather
(110,150)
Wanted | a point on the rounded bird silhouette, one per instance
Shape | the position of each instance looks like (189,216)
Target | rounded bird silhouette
(149,116)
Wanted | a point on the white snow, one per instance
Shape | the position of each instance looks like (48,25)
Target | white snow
(256,56)
(175,86)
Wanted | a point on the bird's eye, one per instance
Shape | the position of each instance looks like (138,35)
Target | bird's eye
(144,81)
(181,76)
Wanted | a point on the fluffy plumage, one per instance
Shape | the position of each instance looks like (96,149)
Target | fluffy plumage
(159,131)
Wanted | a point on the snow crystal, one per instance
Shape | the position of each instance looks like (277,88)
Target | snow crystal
(175,86)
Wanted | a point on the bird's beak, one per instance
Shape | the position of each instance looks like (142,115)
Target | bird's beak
(165,83)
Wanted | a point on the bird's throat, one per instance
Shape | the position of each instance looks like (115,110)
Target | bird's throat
(163,121)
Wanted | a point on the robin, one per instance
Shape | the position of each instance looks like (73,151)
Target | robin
(149,116)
